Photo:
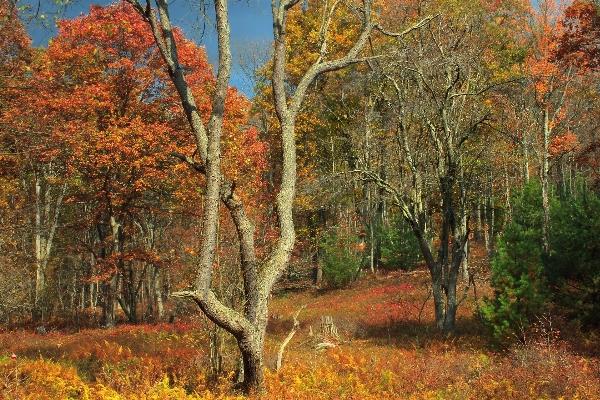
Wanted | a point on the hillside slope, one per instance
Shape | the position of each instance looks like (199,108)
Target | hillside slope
(375,340)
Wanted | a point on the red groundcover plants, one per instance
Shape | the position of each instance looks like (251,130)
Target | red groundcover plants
(373,358)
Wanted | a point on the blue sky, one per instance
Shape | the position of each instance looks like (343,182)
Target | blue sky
(250,21)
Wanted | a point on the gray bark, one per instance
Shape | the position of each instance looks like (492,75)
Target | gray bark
(544,175)
(48,205)
(436,112)
(525,152)
(249,326)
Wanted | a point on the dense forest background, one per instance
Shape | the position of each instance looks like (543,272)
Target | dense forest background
(461,125)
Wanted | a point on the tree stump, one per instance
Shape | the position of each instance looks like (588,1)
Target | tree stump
(328,331)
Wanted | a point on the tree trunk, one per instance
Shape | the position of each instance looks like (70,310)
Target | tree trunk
(465,262)
(490,217)
(109,304)
(439,300)
(318,278)
(252,351)
(525,152)
(545,201)
(486,230)
(248,327)
(507,205)
(47,211)
(450,320)
(478,232)
(40,248)
(438,284)
(157,282)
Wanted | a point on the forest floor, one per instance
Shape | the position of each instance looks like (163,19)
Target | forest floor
(374,340)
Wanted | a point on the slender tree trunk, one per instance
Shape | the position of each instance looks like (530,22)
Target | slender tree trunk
(47,212)
(507,205)
(157,282)
(367,198)
(109,303)
(525,152)
(462,223)
(40,256)
(452,304)
(490,217)
(486,230)
(439,301)
(477,234)
(465,262)
(545,202)
(561,178)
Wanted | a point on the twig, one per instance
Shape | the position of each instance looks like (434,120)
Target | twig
(289,337)
(466,293)
(418,271)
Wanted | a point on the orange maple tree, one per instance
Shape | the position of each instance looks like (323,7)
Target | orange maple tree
(16,57)
(578,45)
(105,115)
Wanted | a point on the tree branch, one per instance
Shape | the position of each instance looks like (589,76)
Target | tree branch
(289,337)
(406,31)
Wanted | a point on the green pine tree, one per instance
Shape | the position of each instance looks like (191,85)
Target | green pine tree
(519,284)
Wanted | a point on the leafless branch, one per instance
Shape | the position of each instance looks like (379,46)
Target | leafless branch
(406,31)
(289,337)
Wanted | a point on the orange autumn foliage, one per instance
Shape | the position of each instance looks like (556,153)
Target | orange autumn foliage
(102,115)
(376,357)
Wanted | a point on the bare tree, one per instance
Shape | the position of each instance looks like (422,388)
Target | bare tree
(249,56)
(431,87)
(249,326)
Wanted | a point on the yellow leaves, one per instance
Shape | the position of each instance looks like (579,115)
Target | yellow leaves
(45,380)
(189,250)
(298,382)
(163,390)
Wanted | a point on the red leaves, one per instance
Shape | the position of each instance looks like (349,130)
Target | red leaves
(15,47)
(106,84)
(562,145)
(579,42)
(101,119)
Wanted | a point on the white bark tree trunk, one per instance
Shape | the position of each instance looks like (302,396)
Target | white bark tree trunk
(249,326)
(48,205)
(544,174)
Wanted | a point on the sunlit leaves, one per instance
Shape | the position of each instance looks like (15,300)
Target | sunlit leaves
(101,113)
(578,40)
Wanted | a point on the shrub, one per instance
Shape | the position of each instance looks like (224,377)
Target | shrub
(340,257)
(399,248)
(528,211)
(573,267)
(518,283)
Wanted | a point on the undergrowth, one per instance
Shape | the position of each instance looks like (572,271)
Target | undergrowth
(385,347)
